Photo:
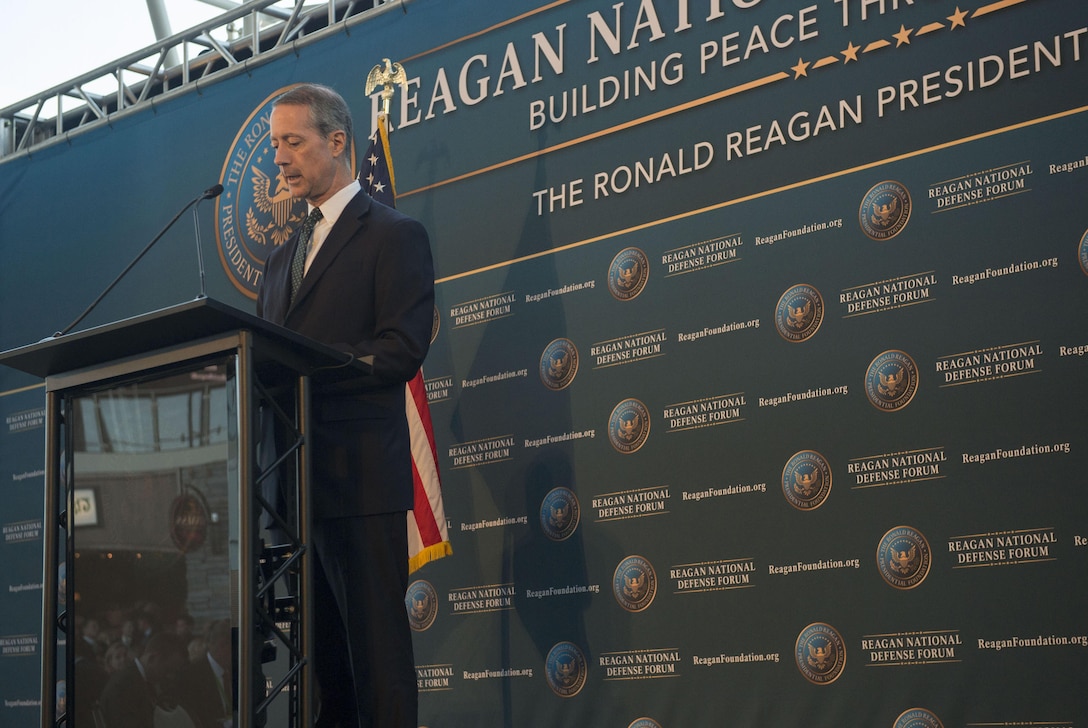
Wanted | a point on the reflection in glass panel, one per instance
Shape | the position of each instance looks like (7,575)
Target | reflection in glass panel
(152,549)
(186,415)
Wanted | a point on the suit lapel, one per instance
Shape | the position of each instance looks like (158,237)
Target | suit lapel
(346,227)
(278,285)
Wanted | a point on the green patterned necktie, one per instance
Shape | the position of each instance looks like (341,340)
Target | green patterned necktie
(298,264)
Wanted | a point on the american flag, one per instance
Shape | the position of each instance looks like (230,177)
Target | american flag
(428,537)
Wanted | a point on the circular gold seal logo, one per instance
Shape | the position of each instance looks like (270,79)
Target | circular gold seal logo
(436,324)
(256,212)
(1082,253)
(884,210)
(566,669)
(891,380)
(806,480)
(421,601)
(628,273)
(917,718)
(560,513)
(634,583)
(903,557)
(799,313)
(629,426)
(644,723)
(820,653)
(559,364)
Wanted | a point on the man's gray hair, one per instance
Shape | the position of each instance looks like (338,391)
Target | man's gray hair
(328,110)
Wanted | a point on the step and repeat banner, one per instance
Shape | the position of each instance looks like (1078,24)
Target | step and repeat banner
(758,371)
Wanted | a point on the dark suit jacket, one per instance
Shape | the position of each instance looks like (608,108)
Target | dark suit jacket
(128,701)
(369,292)
(198,691)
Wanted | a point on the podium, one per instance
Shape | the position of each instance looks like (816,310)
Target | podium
(167,504)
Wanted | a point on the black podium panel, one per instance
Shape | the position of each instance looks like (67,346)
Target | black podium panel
(157,489)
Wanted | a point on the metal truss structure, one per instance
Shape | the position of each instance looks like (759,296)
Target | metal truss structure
(252,34)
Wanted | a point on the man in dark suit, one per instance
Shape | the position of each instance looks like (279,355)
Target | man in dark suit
(132,693)
(367,289)
(205,685)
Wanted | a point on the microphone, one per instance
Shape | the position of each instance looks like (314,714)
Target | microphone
(211,192)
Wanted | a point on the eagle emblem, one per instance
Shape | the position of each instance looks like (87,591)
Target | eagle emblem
(820,653)
(628,273)
(904,557)
(277,204)
(629,276)
(559,513)
(806,480)
(634,586)
(890,383)
(884,214)
(391,75)
(628,428)
(565,669)
(885,210)
(806,484)
(566,672)
(634,583)
(558,365)
(560,516)
(891,380)
(799,313)
(421,604)
(797,316)
(421,601)
(821,659)
(903,561)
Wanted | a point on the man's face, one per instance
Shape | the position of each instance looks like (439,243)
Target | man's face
(308,161)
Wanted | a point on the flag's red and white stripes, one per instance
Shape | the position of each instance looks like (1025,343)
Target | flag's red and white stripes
(428,537)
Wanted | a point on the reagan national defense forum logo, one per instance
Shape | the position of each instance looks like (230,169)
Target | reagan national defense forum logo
(559,364)
(628,273)
(1082,253)
(421,601)
(799,313)
(917,718)
(629,426)
(884,210)
(566,669)
(256,212)
(806,480)
(903,557)
(820,653)
(634,583)
(560,513)
(644,723)
(891,380)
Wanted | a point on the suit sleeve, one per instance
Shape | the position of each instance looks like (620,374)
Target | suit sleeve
(403,303)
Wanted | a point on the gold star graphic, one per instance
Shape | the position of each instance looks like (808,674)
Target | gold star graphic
(851,53)
(801,69)
(957,18)
(903,36)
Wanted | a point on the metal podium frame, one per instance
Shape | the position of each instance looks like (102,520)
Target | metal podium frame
(273,370)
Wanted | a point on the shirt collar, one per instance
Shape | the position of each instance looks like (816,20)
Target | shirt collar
(218,669)
(332,207)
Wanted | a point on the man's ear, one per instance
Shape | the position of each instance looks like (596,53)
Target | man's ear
(338,142)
